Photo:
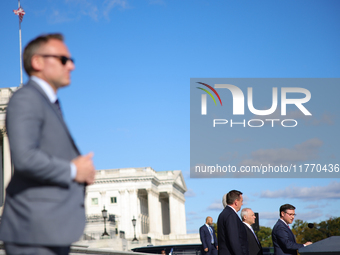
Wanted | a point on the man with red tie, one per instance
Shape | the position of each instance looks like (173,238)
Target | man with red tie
(283,238)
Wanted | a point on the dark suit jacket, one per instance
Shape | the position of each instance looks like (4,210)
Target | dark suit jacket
(255,248)
(232,235)
(43,205)
(284,240)
(206,240)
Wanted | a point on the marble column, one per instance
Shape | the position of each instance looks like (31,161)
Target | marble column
(123,221)
(173,209)
(155,214)
(133,211)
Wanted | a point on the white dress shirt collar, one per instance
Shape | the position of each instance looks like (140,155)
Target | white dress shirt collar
(284,222)
(232,208)
(245,223)
(46,88)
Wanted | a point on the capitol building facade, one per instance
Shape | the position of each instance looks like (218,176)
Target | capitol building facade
(154,200)
(143,207)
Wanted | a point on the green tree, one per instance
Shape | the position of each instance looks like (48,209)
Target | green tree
(322,230)
(214,225)
(265,236)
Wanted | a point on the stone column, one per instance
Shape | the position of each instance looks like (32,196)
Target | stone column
(123,224)
(173,209)
(155,214)
(177,214)
(133,211)
(7,163)
(183,223)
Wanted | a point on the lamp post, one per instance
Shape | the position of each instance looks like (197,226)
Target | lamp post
(134,227)
(104,213)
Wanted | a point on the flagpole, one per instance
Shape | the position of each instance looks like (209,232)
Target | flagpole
(21,81)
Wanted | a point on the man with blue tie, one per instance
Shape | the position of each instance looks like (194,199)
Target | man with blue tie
(208,237)
(283,238)
(254,245)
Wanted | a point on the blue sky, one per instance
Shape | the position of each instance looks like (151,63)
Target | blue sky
(130,93)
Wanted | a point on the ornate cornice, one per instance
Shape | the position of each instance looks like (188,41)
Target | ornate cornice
(153,180)
(129,179)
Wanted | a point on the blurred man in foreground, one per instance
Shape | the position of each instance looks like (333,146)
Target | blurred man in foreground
(44,207)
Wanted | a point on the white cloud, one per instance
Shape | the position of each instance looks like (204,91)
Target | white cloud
(331,191)
(83,7)
(75,9)
(216,205)
(307,150)
(190,193)
(326,118)
(55,16)
(110,4)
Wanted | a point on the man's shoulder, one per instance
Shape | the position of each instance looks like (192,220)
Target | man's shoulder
(227,209)
(278,224)
(203,227)
(227,214)
(29,92)
(230,211)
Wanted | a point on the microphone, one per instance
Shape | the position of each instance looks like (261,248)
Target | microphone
(311,225)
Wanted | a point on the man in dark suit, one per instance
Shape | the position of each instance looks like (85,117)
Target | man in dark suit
(248,217)
(283,238)
(208,237)
(232,235)
(44,207)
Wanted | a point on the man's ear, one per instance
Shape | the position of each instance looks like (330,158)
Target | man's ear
(281,214)
(37,62)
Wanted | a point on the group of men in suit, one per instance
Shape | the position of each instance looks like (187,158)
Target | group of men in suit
(44,206)
(236,237)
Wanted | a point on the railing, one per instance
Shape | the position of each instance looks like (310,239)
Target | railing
(79,249)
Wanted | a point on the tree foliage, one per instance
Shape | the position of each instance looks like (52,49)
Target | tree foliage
(214,225)
(265,236)
(322,230)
